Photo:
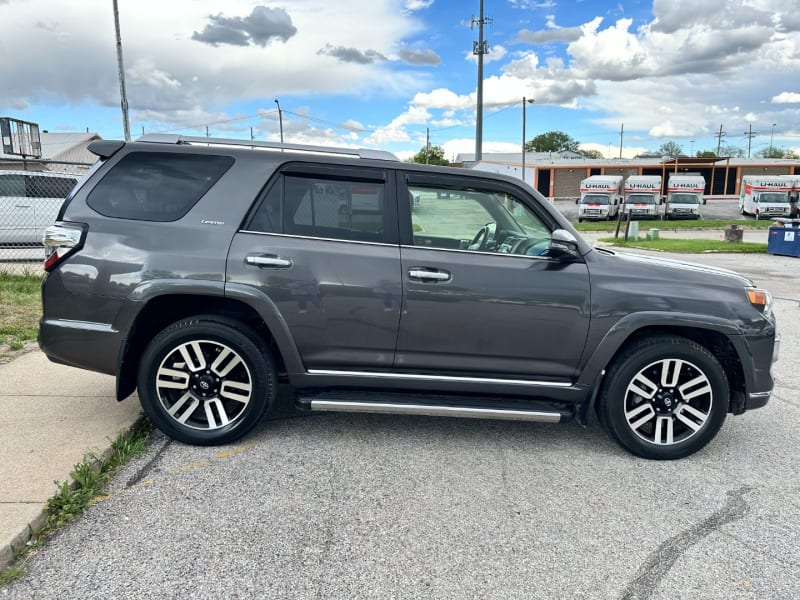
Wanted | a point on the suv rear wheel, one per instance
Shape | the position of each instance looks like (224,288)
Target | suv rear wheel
(665,397)
(205,381)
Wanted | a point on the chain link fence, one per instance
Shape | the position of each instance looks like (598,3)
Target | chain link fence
(31,194)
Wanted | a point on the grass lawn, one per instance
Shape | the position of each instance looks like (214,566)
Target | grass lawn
(20,309)
(688,246)
(675,225)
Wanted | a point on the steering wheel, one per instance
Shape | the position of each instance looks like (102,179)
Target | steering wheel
(481,238)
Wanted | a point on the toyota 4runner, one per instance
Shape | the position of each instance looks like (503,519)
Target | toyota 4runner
(204,272)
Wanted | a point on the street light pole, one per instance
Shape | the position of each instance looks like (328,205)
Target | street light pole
(771,135)
(280,118)
(524,102)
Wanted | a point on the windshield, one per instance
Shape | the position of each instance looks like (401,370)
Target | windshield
(641,199)
(594,199)
(683,199)
(780,197)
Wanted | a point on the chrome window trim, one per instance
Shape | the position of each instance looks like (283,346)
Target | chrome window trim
(319,239)
(475,252)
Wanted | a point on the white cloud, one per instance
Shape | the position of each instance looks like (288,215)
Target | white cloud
(413,5)
(73,59)
(786,98)
(496,53)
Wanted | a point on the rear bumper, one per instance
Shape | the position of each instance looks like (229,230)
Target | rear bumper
(86,345)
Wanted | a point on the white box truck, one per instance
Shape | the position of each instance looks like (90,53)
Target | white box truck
(684,196)
(642,196)
(601,197)
(765,195)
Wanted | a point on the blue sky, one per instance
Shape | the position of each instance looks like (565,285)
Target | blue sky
(377,73)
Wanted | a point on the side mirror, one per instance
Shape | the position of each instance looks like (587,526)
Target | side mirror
(563,245)
(577,200)
(704,200)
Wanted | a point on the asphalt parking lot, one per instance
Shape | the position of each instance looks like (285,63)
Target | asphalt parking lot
(361,506)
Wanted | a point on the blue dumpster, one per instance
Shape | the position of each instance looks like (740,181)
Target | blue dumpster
(784,240)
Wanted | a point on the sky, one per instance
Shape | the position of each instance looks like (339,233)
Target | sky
(385,73)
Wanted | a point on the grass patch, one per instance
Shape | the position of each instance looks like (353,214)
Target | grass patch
(88,478)
(688,246)
(675,225)
(20,310)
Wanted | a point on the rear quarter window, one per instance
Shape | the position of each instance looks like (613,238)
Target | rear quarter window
(156,186)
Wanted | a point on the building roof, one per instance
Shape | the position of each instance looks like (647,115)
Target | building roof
(68,147)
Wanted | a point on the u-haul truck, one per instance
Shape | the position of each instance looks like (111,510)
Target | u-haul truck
(601,197)
(642,196)
(684,196)
(765,195)
(794,181)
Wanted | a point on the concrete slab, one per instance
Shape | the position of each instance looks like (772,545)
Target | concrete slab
(51,416)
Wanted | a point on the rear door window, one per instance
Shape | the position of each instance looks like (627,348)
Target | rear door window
(156,186)
(348,205)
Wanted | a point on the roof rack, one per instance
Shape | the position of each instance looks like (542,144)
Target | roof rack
(170,138)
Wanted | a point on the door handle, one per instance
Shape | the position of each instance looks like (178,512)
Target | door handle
(419,273)
(267,260)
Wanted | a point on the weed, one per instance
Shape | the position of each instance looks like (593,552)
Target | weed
(88,478)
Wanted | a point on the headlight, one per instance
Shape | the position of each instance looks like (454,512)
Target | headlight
(761,300)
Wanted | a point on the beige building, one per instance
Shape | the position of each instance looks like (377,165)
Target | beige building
(557,176)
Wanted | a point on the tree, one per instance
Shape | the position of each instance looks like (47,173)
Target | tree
(706,154)
(435,156)
(773,152)
(552,141)
(591,153)
(670,149)
(732,151)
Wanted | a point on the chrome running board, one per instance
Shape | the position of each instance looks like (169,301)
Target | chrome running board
(433,410)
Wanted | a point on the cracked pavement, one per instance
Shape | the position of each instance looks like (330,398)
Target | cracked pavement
(365,506)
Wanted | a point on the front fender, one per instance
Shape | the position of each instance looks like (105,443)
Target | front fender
(630,324)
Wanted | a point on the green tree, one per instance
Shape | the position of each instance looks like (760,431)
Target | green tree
(435,156)
(773,152)
(591,153)
(552,141)
(706,154)
(670,149)
(732,151)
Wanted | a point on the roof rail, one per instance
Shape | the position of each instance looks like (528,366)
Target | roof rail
(171,138)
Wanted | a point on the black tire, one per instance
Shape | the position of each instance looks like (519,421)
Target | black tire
(215,376)
(664,422)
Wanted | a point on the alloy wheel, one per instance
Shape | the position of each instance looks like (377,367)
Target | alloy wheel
(204,385)
(668,401)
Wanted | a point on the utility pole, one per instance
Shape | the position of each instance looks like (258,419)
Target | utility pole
(621,134)
(427,145)
(280,118)
(719,137)
(126,128)
(479,48)
(525,101)
(749,135)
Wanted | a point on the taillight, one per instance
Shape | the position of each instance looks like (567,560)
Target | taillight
(61,240)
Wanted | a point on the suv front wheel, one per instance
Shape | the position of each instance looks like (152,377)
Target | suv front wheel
(665,397)
(206,380)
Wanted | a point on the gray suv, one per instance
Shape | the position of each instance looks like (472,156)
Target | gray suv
(205,272)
